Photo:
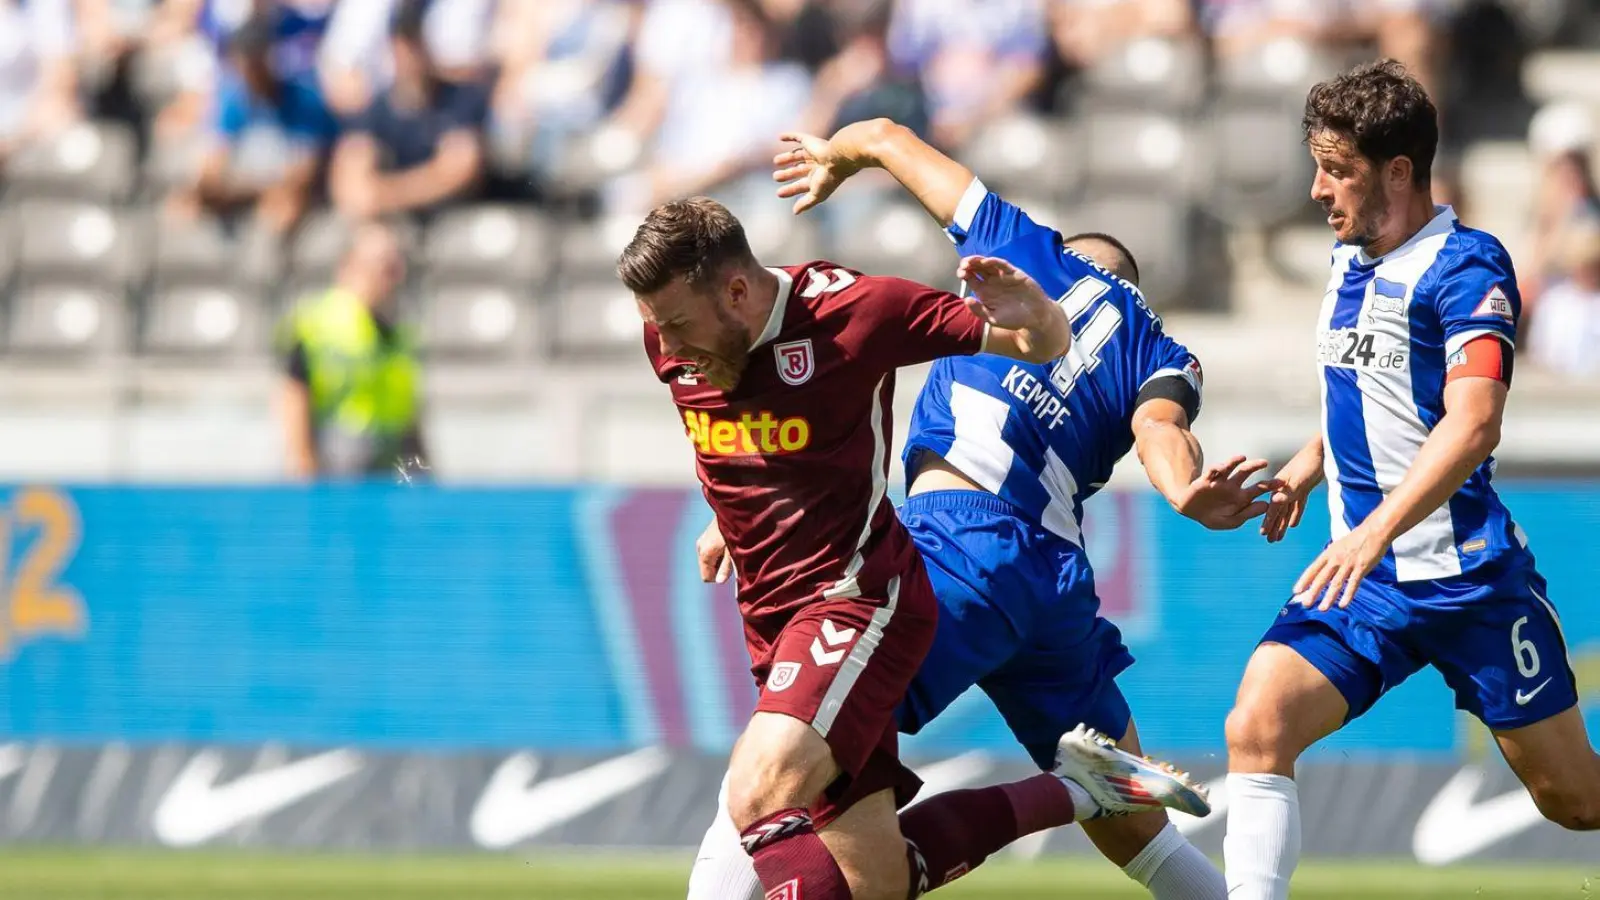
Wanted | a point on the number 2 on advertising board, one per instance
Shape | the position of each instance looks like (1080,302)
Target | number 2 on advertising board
(32,601)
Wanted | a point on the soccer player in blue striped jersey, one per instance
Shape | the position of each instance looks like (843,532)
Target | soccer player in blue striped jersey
(1426,567)
(1000,460)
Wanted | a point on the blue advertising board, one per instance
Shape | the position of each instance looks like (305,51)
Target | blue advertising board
(435,618)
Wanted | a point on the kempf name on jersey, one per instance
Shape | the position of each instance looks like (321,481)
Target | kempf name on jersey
(1040,398)
(1358,348)
(748,435)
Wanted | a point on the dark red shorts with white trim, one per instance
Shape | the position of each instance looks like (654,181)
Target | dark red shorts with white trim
(843,665)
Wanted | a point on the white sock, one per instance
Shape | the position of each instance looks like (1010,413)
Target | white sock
(1174,869)
(1083,805)
(1263,843)
(722,870)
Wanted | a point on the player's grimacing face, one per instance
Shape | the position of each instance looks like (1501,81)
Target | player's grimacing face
(1348,188)
(693,324)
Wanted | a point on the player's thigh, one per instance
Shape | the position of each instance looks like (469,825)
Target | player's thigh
(1554,759)
(779,762)
(1064,677)
(1121,838)
(865,841)
(1284,705)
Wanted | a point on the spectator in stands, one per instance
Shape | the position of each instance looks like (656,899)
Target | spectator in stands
(1561,136)
(720,126)
(350,404)
(563,68)
(1567,328)
(38,76)
(420,143)
(1406,30)
(357,61)
(977,60)
(272,134)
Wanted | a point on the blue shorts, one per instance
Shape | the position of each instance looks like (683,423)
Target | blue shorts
(1018,617)
(1492,634)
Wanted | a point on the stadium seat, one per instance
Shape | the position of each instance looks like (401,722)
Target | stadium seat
(86,161)
(1259,172)
(81,242)
(488,244)
(1282,68)
(899,239)
(1144,151)
(170,163)
(67,321)
(203,251)
(1029,153)
(318,245)
(475,321)
(595,317)
(1150,73)
(589,249)
(1158,229)
(203,320)
(780,238)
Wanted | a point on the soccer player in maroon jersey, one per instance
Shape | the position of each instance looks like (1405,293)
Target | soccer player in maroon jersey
(784,378)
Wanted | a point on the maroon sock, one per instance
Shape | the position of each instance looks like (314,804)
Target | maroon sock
(950,834)
(791,861)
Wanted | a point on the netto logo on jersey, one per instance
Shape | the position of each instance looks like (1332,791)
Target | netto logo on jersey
(748,435)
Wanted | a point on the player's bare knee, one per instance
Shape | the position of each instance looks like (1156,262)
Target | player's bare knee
(779,763)
(1567,805)
(1257,741)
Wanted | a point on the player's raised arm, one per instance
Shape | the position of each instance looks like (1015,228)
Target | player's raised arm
(1024,323)
(815,167)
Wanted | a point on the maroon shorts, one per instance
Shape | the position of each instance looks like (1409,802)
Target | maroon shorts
(842,666)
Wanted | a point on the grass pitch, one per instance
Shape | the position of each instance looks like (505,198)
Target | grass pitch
(77,875)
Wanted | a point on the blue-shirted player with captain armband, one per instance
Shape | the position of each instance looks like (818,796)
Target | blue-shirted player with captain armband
(1426,567)
(1000,460)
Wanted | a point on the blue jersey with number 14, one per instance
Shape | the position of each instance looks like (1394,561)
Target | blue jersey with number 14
(1045,437)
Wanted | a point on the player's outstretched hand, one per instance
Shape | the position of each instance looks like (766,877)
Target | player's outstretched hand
(1220,500)
(1002,294)
(1336,572)
(811,170)
(1288,502)
(712,551)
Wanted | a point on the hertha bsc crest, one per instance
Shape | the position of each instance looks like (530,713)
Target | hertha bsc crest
(795,361)
(782,676)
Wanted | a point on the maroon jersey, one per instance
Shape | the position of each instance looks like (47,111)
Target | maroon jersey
(795,459)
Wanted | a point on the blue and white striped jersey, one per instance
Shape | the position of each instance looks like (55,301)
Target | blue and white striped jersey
(1045,437)
(1387,330)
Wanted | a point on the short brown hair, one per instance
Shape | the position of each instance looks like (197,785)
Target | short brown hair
(1380,109)
(694,238)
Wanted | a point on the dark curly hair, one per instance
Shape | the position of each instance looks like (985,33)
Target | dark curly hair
(1380,109)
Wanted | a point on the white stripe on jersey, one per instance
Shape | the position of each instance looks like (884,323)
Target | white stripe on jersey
(979,450)
(1330,465)
(1062,487)
(848,586)
(1395,430)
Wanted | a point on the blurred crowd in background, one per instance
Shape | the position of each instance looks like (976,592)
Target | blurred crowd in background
(513,144)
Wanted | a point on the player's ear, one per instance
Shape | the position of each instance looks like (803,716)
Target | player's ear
(1398,172)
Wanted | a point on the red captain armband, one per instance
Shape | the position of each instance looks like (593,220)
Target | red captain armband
(1485,356)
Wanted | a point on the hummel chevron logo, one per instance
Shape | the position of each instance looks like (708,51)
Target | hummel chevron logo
(833,637)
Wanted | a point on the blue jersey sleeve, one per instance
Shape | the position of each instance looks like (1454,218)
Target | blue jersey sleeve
(1475,292)
(984,223)
(1157,355)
